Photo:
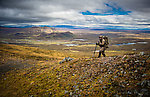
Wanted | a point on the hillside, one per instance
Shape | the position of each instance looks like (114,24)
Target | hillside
(124,75)
(16,57)
(26,30)
(44,63)
(34,33)
(56,35)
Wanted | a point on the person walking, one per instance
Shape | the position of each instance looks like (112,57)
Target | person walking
(103,45)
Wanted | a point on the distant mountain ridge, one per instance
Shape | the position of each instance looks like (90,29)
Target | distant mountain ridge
(34,32)
(57,35)
(27,30)
(114,28)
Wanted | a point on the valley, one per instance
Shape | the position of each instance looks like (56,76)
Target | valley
(30,63)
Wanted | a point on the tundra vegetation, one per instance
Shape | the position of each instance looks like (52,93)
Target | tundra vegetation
(30,64)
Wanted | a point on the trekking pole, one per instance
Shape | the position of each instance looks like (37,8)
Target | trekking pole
(94,51)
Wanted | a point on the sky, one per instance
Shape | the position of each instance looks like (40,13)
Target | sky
(95,14)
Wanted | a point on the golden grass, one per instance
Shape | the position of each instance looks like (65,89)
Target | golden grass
(55,80)
(48,78)
(89,45)
(30,52)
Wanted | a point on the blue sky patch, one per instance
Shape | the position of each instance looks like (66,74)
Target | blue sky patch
(113,9)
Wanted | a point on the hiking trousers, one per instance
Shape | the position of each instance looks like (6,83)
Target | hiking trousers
(102,51)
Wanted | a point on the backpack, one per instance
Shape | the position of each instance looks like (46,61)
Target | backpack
(106,40)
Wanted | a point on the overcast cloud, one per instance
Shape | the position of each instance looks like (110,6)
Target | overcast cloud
(83,13)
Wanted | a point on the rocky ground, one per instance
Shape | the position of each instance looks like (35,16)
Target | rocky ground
(127,75)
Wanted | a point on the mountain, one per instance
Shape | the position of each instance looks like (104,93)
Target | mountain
(26,30)
(34,32)
(56,35)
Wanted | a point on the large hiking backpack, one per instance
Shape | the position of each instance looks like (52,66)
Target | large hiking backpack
(106,40)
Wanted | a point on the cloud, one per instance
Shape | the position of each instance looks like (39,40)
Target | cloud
(135,5)
(84,13)
(112,10)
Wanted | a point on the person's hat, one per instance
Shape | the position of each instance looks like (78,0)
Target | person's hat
(105,36)
(100,36)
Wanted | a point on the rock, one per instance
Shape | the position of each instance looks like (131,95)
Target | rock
(104,87)
(144,75)
(110,72)
(135,92)
(144,91)
(77,89)
(66,59)
(124,57)
(75,86)
(137,61)
(148,83)
(135,71)
(66,91)
(71,93)
(75,96)
(134,49)
(115,76)
(129,92)
(144,83)
(100,81)
(138,84)
(107,91)
(122,72)
(141,53)
(50,94)
(140,94)
(116,95)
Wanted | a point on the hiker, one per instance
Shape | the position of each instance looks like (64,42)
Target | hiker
(103,43)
